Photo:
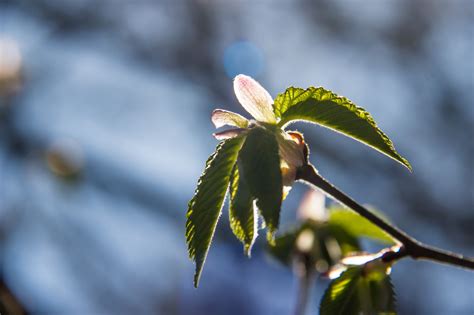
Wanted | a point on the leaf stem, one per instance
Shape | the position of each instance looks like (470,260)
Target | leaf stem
(410,246)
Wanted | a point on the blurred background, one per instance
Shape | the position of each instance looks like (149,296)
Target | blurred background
(105,128)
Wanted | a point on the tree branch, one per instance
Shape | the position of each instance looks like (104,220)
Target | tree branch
(304,289)
(9,303)
(304,269)
(410,246)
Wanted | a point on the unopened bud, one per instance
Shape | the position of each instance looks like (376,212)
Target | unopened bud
(291,146)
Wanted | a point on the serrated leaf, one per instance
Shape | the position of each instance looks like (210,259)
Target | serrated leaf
(357,225)
(205,207)
(290,97)
(242,213)
(357,291)
(384,294)
(259,163)
(341,295)
(329,110)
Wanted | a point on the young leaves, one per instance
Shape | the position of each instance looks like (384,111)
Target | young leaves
(255,177)
(327,109)
(258,157)
(357,225)
(205,207)
(242,213)
(359,291)
(259,164)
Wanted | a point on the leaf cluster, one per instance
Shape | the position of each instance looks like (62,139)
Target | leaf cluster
(248,166)
(321,246)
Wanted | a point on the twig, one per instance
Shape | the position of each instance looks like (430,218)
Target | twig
(411,247)
(305,279)
(9,304)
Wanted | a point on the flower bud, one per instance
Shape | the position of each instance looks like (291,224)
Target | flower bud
(292,156)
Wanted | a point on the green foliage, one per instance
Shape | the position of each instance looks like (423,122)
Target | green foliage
(242,214)
(283,247)
(259,164)
(359,291)
(357,225)
(327,109)
(343,226)
(329,242)
(347,242)
(251,165)
(205,207)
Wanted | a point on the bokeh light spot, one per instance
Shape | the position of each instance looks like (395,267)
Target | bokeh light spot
(10,66)
(243,57)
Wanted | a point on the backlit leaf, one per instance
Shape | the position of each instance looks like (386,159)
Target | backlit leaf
(205,207)
(358,291)
(242,213)
(259,164)
(327,109)
(357,225)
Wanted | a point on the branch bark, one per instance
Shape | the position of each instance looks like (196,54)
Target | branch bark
(410,246)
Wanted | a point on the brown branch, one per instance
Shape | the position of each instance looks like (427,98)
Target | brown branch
(410,246)
(9,304)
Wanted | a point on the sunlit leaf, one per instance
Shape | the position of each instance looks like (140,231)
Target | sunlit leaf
(242,213)
(327,109)
(348,243)
(205,207)
(357,225)
(259,164)
(358,291)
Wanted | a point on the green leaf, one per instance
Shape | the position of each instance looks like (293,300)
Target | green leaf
(357,291)
(357,225)
(205,207)
(327,109)
(283,247)
(340,297)
(290,97)
(242,213)
(348,243)
(329,242)
(259,164)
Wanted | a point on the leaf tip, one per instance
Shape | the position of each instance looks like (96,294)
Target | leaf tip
(405,163)
(248,251)
(197,277)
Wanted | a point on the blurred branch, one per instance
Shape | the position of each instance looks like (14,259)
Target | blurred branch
(306,275)
(9,304)
(305,282)
(411,247)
